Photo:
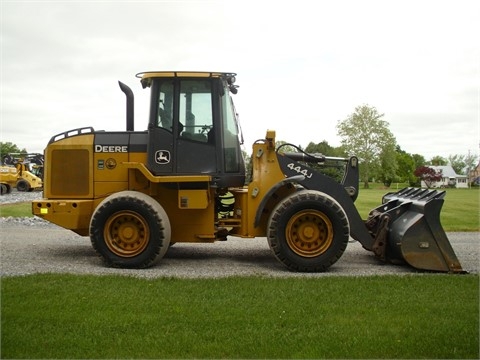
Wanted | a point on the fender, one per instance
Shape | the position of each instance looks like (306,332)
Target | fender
(268,195)
(325,184)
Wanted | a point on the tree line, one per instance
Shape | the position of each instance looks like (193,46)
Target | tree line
(366,134)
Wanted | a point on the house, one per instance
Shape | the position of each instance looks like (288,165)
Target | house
(449,178)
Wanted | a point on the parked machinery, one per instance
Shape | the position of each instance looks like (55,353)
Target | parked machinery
(8,179)
(21,171)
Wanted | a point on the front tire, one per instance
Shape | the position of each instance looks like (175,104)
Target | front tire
(130,230)
(23,185)
(308,231)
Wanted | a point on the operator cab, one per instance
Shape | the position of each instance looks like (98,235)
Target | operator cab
(193,127)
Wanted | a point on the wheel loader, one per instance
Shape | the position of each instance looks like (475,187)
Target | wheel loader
(136,193)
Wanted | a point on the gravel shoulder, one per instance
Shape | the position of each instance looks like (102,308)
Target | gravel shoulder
(32,245)
(18,196)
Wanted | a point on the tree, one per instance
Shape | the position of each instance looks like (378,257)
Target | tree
(462,163)
(334,169)
(458,163)
(388,165)
(406,167)
(428,175)
(366,135)
(470,161)
(418,160)
(325,149)
(438,161)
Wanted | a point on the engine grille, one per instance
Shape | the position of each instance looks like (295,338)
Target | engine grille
(69,172)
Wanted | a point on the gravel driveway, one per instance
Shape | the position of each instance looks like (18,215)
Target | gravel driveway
(30,245)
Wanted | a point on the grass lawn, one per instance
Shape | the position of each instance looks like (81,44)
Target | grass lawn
(16,210)
(421,316)
(68,316)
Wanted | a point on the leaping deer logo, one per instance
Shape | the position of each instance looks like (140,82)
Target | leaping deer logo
(162,157)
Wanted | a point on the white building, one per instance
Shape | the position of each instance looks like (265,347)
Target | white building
(449,178)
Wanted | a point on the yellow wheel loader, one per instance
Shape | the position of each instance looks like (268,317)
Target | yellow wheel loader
(135,193)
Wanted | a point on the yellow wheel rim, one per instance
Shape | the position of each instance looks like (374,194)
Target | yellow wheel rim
(309,233)
(126,233)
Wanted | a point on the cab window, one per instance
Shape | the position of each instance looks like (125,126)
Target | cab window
(195,110)
(230,135)
(165,105)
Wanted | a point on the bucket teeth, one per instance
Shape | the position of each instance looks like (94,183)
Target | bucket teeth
(414,194)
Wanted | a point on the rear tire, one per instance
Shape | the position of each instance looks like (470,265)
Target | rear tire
(308,231)
(3,189)
(130,230)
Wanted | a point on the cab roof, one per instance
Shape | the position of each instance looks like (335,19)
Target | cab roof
(146,76)
(154,74)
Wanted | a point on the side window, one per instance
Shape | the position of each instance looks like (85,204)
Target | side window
(195,113)
(165,106)
(230,135)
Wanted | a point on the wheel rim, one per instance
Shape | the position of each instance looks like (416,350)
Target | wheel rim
(126,233)
(309,233)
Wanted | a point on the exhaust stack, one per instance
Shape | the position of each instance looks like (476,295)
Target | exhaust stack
(129,94)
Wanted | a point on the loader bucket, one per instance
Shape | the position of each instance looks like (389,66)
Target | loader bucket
(407,229)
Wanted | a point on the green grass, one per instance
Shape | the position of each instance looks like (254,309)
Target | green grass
(461,210)
(16,210)
(68,316)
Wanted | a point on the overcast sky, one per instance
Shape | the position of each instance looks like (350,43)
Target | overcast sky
(301,65)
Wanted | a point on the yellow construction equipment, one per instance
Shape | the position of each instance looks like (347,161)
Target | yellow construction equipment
(135,193)
(21,171)
(8,179)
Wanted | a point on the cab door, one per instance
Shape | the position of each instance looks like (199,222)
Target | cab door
(181,127)
(196,145)
(161,128)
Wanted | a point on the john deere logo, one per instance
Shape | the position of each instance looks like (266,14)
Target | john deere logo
(162,157)
(110,164)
